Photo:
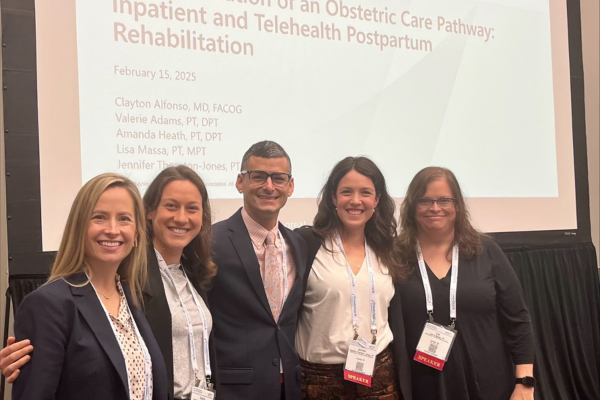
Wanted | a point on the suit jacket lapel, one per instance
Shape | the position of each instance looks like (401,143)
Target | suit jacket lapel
(299,258)
(137,314)
(204,296)
(90,308)
(240,238)
(158,314)
(153,273)
(299,262)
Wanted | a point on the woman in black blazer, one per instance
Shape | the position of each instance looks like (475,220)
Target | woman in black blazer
(179,232)
(92,342)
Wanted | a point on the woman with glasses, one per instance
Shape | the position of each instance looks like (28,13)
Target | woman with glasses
(344,340)
(468,333)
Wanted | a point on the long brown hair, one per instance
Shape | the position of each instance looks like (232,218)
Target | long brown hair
(199,264)
(380,230)
(467,237)
(70,258)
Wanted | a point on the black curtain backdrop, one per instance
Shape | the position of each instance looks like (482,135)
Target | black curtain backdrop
(563,296)
(562,292)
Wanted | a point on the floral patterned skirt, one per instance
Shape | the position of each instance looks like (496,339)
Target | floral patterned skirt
(326,381)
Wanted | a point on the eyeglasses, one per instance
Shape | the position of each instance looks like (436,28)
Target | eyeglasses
(442,202)
(279,179)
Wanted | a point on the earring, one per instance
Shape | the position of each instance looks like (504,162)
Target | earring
(374,208)
(135,242)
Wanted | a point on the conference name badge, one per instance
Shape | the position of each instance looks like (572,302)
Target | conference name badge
(360,362)
(434,345)
(202,394)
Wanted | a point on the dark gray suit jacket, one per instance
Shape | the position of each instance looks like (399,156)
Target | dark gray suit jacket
(250,344)
(76,354)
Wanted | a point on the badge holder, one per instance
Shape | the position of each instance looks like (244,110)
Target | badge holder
(435,344)
(203,393)
(360,362)
(206,393)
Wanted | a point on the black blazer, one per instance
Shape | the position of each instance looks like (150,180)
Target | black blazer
(395,319)
(250,344)
(158,314)
(77,355)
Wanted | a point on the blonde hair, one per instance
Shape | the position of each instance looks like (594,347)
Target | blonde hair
(70,258)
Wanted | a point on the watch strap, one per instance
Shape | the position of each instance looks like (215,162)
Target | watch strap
(528,381)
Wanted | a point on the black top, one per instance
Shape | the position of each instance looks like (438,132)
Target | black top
(494,329)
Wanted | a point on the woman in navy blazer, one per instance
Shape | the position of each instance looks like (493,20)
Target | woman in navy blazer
(81,351)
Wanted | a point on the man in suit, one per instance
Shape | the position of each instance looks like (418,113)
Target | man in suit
(258,288)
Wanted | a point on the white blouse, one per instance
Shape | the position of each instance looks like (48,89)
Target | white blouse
(183,373)
(325,324)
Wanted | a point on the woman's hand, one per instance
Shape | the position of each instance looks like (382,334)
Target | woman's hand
(13,357)
(522,392)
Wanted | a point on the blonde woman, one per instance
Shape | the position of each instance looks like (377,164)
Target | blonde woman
(91,339)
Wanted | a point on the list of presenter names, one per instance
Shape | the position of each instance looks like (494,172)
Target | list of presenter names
(155,133)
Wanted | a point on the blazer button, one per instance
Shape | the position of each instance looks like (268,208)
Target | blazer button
(276,361)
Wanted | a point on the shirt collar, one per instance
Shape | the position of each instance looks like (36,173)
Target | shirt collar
(123,311)
(258,233)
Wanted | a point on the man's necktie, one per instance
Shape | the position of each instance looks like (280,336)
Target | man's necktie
(273,277)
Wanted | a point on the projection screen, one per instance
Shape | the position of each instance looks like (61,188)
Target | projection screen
(480,87)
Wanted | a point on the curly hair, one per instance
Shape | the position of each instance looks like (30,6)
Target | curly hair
(380,229)
(467,237)
(199,264)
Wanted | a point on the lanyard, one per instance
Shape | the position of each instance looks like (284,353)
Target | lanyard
(353,296)
(207,371)
(427,286)
(147,359)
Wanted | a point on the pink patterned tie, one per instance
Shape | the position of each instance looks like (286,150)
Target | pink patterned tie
(272,278)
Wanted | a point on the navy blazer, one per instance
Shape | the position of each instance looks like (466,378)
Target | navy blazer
(158,314)
(76,354)
(250,343)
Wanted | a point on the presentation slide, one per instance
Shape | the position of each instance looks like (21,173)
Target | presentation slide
(480,87)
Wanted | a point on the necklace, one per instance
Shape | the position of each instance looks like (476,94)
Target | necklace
(103,295)
(351,263)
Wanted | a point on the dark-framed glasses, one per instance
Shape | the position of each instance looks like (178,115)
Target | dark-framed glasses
(442,202)
(260,177)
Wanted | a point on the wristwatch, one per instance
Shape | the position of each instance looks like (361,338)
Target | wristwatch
(528,381)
